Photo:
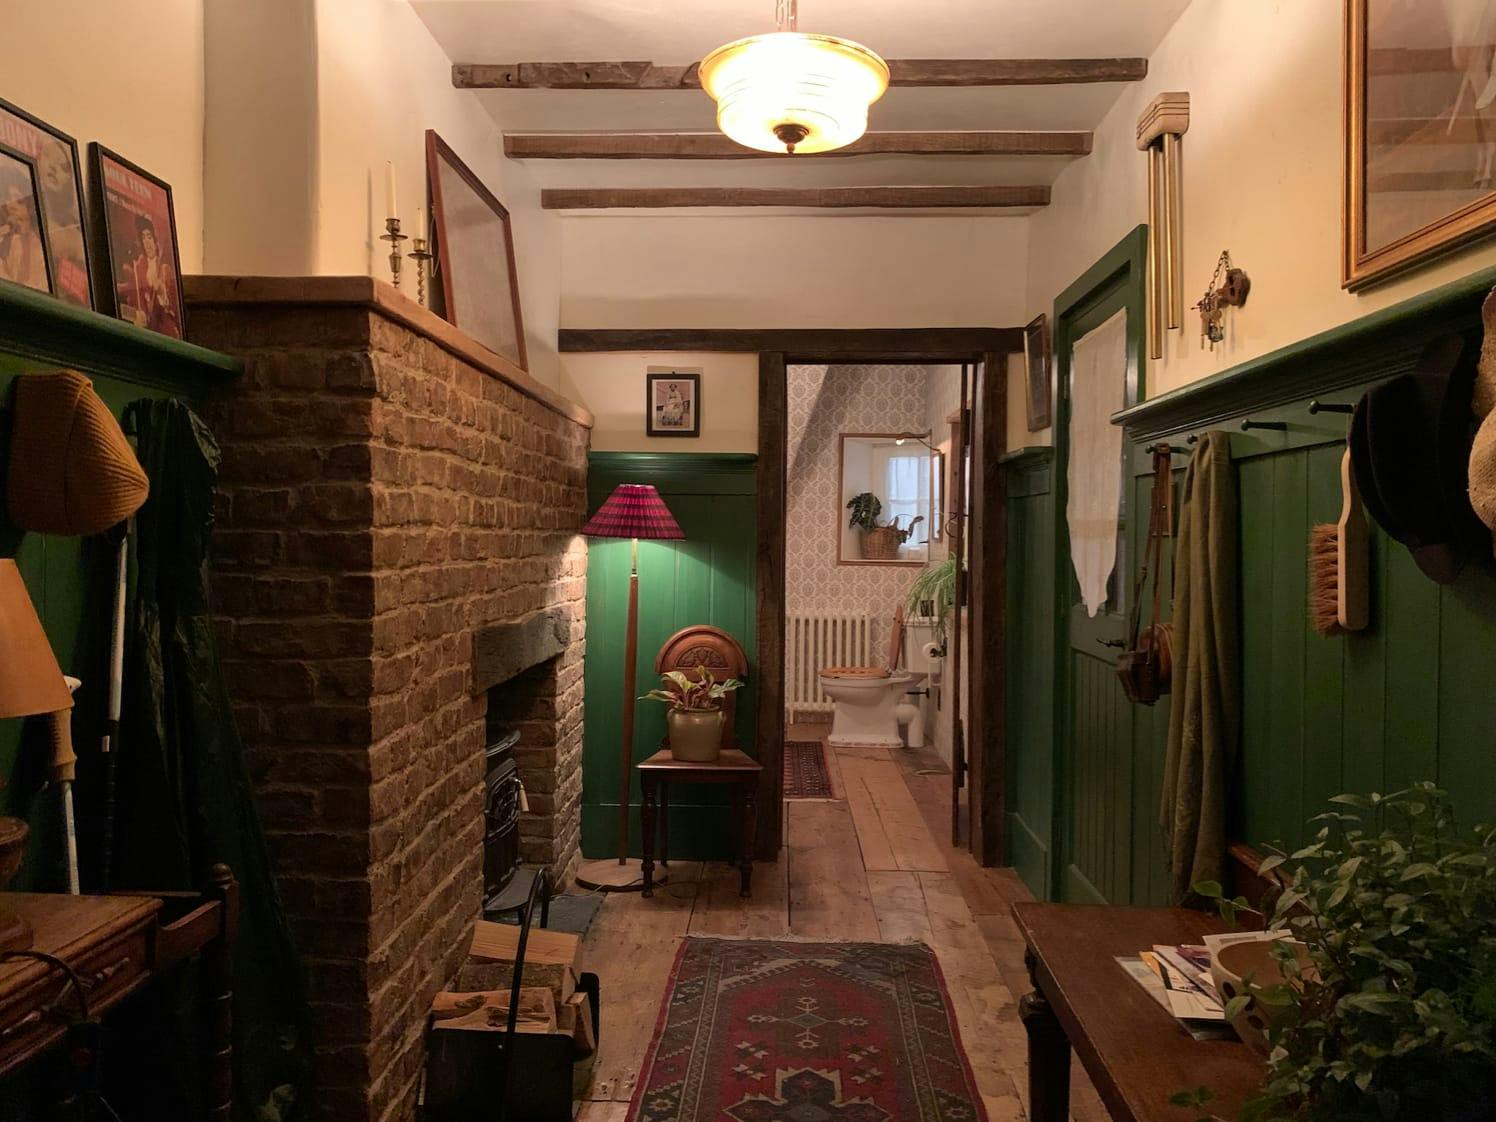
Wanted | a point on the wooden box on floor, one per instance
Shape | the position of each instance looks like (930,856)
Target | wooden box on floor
(465,1069)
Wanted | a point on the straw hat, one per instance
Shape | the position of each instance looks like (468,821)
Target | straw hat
(1483,402)
(72,471)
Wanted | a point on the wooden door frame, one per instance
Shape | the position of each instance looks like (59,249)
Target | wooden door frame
(1122,265)
(777,350)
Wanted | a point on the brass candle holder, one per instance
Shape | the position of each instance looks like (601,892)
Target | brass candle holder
(394,237)
(420,253)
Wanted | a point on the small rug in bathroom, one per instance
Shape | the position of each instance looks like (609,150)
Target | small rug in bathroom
(805,773)
(755,1030)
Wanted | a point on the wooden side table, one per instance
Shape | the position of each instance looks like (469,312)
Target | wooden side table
(733,767)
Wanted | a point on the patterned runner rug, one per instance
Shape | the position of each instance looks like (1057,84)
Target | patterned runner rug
(755,1030)
(805,774)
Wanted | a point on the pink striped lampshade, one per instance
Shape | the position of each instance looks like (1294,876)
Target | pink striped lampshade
(634,510)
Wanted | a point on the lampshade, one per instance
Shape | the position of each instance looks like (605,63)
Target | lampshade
(634,510)
(31,682)
(792,91)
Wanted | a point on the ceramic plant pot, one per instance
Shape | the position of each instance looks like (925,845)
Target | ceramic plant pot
(1243,968)
(13,833)
(695,734)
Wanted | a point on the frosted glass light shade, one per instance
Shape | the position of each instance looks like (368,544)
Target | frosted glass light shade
(792,91)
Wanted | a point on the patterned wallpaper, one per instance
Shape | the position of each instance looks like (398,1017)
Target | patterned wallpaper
(824,402)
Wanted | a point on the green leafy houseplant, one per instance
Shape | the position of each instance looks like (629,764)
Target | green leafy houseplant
(865,509)
(692,693)
(1397,1022)
(935,586)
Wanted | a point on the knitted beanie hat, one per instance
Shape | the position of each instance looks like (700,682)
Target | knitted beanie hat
(72,471)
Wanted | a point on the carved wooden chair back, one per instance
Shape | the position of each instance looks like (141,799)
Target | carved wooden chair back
(719,652)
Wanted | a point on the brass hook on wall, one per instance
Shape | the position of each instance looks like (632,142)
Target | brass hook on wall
(1248,425)
(1317,406)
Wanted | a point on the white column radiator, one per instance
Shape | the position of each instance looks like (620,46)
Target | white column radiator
(816,641)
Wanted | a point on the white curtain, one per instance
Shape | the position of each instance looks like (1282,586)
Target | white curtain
(905,484)
(1098,381)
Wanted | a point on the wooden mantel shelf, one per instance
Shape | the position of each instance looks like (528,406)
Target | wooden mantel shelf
(388,301)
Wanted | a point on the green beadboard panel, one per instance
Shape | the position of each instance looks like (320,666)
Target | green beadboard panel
(710,577)
(1030,666)
(1407,699)
(63,574)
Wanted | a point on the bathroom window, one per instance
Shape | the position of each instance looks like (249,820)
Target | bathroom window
(908,480)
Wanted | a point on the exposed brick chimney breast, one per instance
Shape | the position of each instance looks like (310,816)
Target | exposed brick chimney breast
(390,493)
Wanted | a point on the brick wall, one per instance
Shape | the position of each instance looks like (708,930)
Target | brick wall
(383,495)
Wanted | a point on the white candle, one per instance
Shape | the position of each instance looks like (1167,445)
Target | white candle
(420,231)
(389,189)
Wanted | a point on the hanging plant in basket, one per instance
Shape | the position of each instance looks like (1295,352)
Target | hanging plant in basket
(880,541)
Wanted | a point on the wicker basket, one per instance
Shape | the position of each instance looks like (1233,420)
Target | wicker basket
(881,544)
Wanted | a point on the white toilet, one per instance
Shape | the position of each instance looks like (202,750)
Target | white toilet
(867,698)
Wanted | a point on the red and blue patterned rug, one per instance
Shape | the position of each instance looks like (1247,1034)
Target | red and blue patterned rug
(805,772)
(756,1030)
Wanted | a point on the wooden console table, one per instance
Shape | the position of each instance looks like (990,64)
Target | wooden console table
(114,946)
(1136,1054)
(733,767)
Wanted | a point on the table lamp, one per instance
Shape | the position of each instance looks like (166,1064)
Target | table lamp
(634,511)
(31,683)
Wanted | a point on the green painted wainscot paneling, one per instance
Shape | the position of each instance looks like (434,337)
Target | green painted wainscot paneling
(710,578)
(1408,699)
(67,576)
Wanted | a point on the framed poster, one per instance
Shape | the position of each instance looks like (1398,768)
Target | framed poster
(1036,373)
(23,239)
(672,403)
(56,156)
(1420,132)
(140,271)
(473,245)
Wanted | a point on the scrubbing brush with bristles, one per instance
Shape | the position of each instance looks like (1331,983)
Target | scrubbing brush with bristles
(1339,554)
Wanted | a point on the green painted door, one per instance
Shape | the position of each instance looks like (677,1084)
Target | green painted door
(707,578)
(1096,767)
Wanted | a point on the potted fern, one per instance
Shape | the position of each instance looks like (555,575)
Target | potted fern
(933,594)
(693,712)
(880,541)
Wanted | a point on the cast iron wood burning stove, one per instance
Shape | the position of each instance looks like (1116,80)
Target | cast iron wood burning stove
(500,814)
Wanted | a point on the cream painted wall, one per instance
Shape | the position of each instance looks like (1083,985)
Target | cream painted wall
(1262,178)
(775,270)
(382,81)
(128,74)
(611,385)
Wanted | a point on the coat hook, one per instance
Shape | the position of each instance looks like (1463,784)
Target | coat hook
(1152,448)
(1193,438)
(1317,406)
(1248,425)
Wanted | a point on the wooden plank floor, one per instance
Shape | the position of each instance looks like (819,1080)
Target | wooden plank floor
(875,865)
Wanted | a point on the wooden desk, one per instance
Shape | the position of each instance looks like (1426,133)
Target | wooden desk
(733,767)
(1136,1054)
(115,945)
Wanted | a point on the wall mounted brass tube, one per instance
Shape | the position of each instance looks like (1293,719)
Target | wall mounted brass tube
(1174,219)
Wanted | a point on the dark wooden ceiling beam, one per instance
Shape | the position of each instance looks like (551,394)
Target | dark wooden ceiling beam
(715,146)
(903,72)
(900,198)
(809,344)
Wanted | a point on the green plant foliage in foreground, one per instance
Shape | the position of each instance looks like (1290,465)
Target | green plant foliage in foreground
(698,692)
(1398,909)
(937,584)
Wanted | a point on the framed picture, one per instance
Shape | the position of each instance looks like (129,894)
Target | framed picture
(140,268)
(23,235)
(56,156)
(672,403)
(1420,133)
(473,244)
(1036,371)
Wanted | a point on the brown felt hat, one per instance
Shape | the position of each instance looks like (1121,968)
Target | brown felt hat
(71,469)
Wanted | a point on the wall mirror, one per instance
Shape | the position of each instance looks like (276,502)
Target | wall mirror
(886,509)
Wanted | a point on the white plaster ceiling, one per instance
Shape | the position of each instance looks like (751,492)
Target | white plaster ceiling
(674,32)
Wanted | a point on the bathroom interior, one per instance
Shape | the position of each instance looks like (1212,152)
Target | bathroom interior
(870,531)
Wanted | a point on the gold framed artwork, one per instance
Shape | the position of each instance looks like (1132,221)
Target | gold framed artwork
(1036,372)
(1420,133)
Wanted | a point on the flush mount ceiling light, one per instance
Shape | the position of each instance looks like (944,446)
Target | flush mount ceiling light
(791,91)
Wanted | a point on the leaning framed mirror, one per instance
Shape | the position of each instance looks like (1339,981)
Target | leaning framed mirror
(885,498)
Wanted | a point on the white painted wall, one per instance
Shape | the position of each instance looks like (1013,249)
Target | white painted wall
(1262,178)
(382,81)
(779,270)
(611,385)
(128,74)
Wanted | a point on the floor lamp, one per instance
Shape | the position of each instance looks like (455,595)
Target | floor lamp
(633,511)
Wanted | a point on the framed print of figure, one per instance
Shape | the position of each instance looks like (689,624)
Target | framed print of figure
(61,182)
(136,228)
(672,403)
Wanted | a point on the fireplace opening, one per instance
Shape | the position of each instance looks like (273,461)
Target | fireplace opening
(502,802)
